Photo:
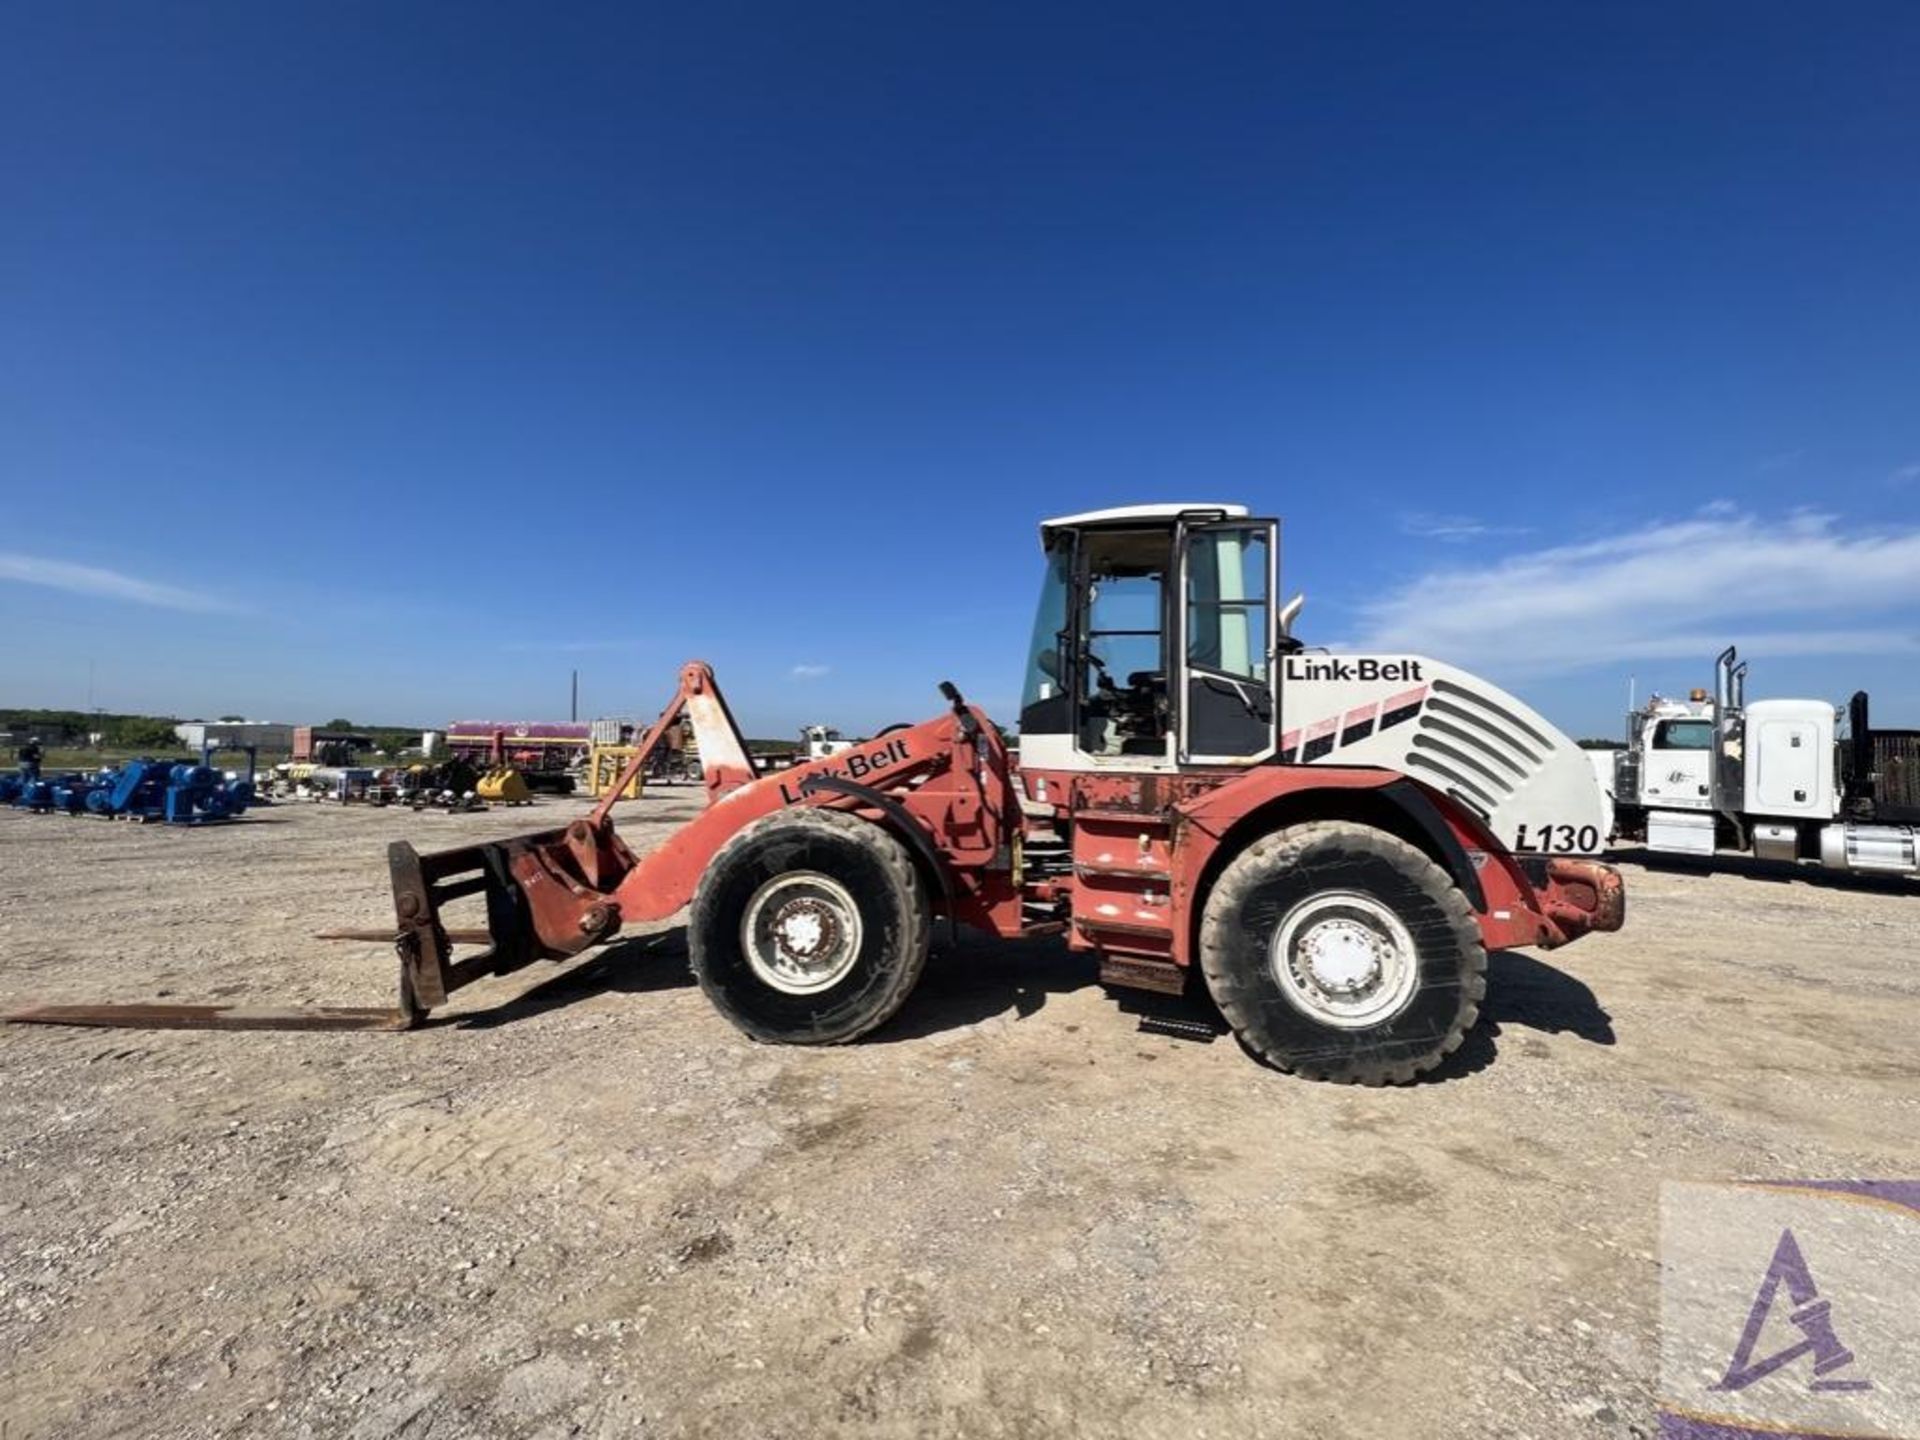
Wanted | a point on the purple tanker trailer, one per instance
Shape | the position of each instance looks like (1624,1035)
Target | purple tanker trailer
(547,752)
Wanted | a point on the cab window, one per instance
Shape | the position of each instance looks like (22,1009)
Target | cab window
(1227,601)
(1683,735)
(1123,705)
(1044,681)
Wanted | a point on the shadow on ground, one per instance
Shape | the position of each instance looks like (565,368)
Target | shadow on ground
(638,966)
(978,979)
(1525,991)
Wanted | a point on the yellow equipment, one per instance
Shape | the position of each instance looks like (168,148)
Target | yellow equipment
(604,764)
(502,784)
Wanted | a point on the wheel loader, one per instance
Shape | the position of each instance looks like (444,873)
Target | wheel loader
(1329,843)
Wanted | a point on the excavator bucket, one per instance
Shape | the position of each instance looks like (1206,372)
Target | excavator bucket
(504,786)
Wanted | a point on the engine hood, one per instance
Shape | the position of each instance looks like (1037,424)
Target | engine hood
(1452,731)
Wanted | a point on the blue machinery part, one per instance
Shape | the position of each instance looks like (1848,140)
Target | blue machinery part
(178,794)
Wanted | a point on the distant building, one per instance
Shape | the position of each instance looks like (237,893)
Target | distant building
(327,747)
(235,735)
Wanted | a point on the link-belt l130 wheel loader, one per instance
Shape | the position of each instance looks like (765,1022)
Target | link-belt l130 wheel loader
(1333,841)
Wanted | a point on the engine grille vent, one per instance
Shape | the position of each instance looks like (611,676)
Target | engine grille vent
(1475,749)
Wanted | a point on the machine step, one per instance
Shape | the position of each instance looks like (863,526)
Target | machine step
(1139,819)
(1133,972)
(1093,927)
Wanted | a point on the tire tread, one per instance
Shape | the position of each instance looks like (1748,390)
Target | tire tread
(1284,851)
(892,857)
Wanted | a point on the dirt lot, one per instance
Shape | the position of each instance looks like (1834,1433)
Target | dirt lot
(584,1205)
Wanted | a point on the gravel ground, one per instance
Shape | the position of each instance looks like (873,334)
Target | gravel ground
(583,1205)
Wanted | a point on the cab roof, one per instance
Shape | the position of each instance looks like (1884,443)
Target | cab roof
(1120,514)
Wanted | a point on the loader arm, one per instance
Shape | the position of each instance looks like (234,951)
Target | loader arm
(724,761)
(555,893)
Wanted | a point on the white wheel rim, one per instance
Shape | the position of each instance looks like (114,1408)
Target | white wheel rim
(801,932)
(1345,960)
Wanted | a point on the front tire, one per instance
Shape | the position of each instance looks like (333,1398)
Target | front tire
(1340,952)
(810,927)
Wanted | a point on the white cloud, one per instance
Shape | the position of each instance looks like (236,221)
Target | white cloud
(1906,474)
(1796,585)
(809,672)
(1454,528)
(107,584)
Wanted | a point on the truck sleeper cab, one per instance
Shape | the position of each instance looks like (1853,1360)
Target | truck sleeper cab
(1770,778)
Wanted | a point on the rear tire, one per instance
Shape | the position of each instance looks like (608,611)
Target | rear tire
(810,927)
(1340,952)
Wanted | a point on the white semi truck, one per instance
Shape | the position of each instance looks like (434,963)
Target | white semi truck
(1771,778)
(817,742)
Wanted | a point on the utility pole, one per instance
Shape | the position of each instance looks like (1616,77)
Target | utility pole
(573,712)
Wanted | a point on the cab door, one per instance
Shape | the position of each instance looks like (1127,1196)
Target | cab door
(1226,641)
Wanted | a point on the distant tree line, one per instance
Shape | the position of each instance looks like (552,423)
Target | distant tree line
(67,728)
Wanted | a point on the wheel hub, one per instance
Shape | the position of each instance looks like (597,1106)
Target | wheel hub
(1345,960)
(801,932)
(804,929)
(1343,957)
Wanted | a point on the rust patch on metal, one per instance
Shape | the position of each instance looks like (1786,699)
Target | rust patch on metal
(1135,974)
(1584,895)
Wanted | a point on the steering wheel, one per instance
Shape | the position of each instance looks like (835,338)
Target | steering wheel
(1102,678)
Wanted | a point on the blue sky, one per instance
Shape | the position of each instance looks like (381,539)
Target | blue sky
(394,360)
